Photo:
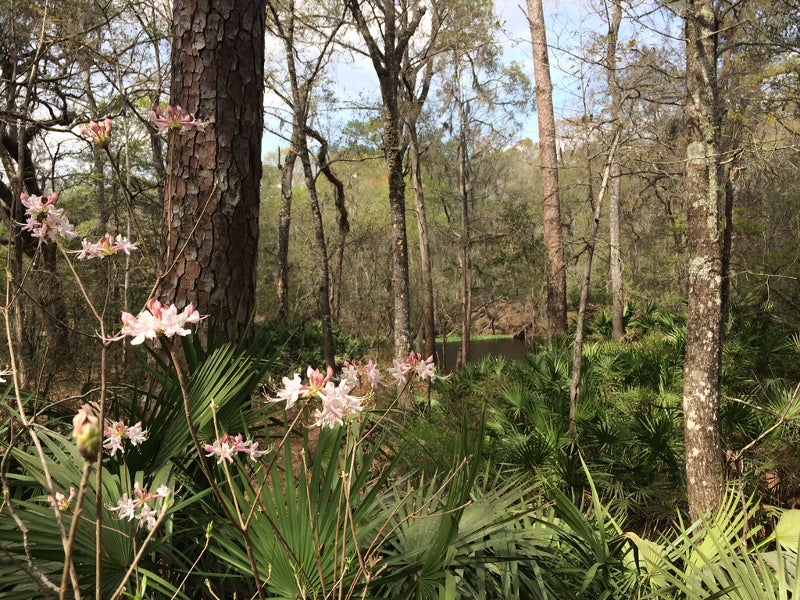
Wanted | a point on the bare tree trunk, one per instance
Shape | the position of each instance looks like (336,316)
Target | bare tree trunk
(702,370)
(284,225)
(591,243)
(463,194)
(321,248)
(615,258)
(387,61)
(551,208)
(210,239)
(343,221)
(429,317)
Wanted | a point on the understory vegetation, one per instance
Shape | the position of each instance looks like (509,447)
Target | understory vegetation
(478,492)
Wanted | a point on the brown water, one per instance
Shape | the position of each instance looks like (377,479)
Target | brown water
(478,349)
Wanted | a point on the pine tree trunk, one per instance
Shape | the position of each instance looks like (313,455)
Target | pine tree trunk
(210,239)
(551,208)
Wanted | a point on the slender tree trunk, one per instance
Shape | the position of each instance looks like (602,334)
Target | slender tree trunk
(577,348)
(387,61)
(702,370)
(463,194)
(343,221)
(551,208)
(429,317)
(615,258)
(284,225)
(210,236)
(321,248)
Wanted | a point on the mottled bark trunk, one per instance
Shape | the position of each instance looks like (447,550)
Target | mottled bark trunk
(284,225)
(343,221)
(387,60)
(702,370)
(551,208)
(429,316)
(210,236)
(466,267)
(614,184)
(321,249)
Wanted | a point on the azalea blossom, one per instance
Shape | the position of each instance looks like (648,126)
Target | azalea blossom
(424,369)
(116,433)
(61,501)
(86,433)
(336,401)
(172,117)
(291,391)
(44,220)
(399,370)
(105,246)
(99,133)
(227,446)
(138,507)
(158,320)
(350,372)
(373,373)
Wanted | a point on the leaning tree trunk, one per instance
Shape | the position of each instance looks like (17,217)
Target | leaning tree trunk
(210,232)
(551,208)
(702,370)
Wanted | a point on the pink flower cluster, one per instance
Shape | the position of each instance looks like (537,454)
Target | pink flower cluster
(99,133)
(114,435)
(105,246)
(44,220)
(227,446)
(139,507)
(336,402)
(424,369)
(62,502)
(172,117)
(157,320)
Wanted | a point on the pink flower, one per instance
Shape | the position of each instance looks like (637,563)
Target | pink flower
(350,373)
(399,370)
(127,507)
(62,502)
(172,117)
(158,320)
(316,379)
(116,433)
(44,221)
(227,447)
(373,374)
(292,390)
(337,403)
(99,133)
(105,246)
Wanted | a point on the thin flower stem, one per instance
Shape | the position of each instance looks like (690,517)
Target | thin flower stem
(207,471)
(29,427)
(161,516)
(73,528)
(195,563)
(129,205)
(31,569)
(98,526)
(228,478)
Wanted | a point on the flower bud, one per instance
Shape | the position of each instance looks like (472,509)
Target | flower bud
(86,433)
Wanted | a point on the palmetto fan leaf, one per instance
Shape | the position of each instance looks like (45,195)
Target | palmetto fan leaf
(119,536)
